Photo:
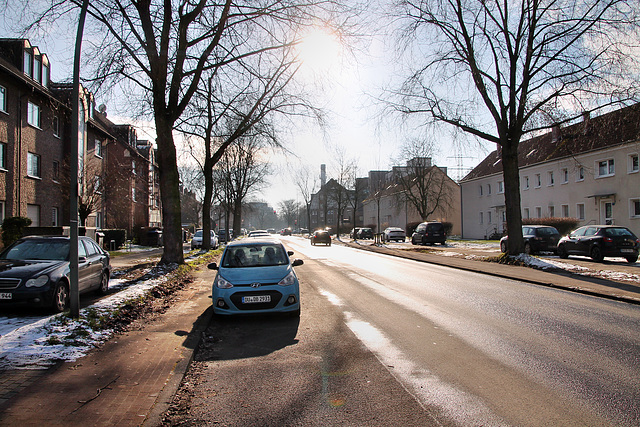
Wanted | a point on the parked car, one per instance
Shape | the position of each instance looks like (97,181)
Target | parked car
(35,271)
(394,233)
(196,240)
(256,276)
(537,238)
(600,241)
(365,233)
(321,236)
(429,232)
(353,234)
(258,233)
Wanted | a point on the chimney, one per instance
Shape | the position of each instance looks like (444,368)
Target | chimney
(323,175)
(555,134)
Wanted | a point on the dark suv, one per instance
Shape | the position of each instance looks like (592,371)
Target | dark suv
(429,232)
(537,238)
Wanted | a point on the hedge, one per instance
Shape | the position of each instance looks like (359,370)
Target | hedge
(563,225)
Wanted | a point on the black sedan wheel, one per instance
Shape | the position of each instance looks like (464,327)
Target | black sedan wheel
(527,249)
(61,298)
(596,254)
(632,259)
(104,284)
(562,252)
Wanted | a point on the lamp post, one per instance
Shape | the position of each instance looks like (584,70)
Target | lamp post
(74,292)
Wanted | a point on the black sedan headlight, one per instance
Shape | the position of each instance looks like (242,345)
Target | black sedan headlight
(37,282)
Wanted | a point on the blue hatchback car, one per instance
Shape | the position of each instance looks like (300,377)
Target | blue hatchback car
(256,276)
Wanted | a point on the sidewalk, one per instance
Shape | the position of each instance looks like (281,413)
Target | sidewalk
(133,377)
(129,381)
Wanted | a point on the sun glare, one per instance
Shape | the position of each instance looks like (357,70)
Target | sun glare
(319,50)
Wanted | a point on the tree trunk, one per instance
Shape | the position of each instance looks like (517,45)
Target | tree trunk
(170,192)
(206,204)
(237,217)
(512,195)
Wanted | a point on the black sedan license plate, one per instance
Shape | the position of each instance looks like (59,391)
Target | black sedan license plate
(6,295)
(256,299)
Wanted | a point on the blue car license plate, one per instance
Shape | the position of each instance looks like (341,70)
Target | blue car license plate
(256,299)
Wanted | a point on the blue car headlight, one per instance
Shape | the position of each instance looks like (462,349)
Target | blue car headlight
(37,282)
(222,283)
(289,280)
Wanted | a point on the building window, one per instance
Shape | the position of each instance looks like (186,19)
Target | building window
(99,220)
(580,174)
(33,165)
(28,64)
(56,171)
(3,155)
(526,213)
(2,212)
(538,212)
(56,126)
(500,187)
(633,163)
(133,193)
(526,183)
(37,70)
(54,217)
(481,217)
(488,189)
(580,211)
(565,175)
(489,217)
(3,99)
(552,211)
(33,213)
(634,208)
(98,148)
(538,181)
(33,114)
(481,191)
(565,211)
(551,178)
(606,168)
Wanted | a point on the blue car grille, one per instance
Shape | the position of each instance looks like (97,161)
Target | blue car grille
(9,283)
(249,284)
(237,300)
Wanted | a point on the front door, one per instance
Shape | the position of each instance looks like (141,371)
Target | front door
(606,212)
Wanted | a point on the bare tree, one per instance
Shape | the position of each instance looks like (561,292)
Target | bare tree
(163,48)
(289,211)
(498,70)
(338,193)
(92,187)
(426,187)
(306,182)
(243,171)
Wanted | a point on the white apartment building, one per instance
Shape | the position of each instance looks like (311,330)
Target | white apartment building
(587,171)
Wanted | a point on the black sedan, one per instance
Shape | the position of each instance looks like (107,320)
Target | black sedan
(35,271)
(599,241)
(321,236)
(537,238)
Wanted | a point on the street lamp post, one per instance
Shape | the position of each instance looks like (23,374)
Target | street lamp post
(74,292)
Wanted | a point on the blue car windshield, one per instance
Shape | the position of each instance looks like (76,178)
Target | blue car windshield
(50,250)
(258,255)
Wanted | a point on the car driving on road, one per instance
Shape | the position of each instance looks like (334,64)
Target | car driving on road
(321,236)
(35,271)
(600,241)
(256,276)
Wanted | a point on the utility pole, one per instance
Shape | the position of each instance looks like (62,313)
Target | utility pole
(74,292)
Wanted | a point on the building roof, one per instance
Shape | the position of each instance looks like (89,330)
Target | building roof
(592,134)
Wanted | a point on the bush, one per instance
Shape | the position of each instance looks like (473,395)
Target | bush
(119,236)
(12,229)
(563,225)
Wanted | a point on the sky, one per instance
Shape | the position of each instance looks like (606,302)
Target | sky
(347,81)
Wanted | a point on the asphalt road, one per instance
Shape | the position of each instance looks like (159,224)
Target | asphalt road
(388,341)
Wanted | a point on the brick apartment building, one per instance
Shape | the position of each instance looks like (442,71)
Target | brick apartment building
(118,176)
